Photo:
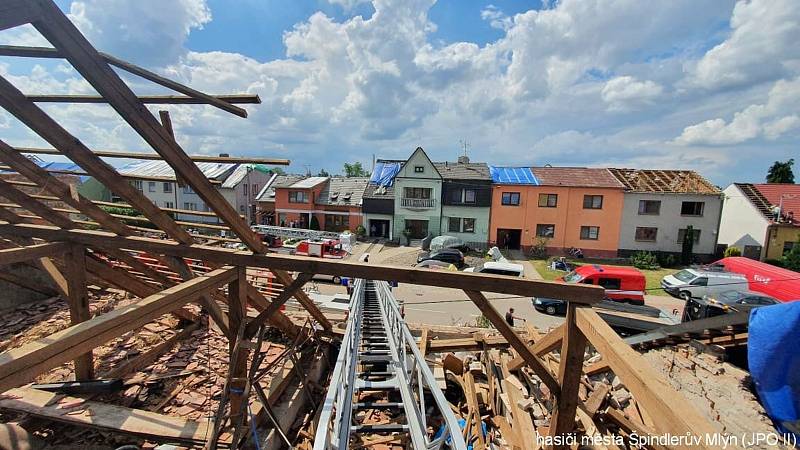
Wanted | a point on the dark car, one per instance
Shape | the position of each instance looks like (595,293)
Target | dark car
(448,255)
(550,306)
(725,302)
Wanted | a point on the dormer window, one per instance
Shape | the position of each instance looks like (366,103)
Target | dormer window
(334,195)
(347,196)
(419,169)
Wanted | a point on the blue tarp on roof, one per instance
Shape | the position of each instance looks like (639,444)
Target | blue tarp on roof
(513,175)
(384,173)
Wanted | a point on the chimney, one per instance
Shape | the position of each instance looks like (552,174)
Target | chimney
(463,159)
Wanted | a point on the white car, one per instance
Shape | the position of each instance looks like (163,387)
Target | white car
(500,268)
(695,283)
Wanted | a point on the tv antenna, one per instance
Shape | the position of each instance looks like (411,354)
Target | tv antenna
(464,145)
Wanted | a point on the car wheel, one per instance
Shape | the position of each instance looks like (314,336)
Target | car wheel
(551,310)
(685,295)
(337,280)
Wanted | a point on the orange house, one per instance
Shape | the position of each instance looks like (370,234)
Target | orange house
(296,204)
(562,206)
(334,202)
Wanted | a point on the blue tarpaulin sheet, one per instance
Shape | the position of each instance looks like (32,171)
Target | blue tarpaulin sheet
(384,173)
(513,175)
(773,356)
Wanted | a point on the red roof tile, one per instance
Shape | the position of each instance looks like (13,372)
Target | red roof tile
(791,197)
(576,177)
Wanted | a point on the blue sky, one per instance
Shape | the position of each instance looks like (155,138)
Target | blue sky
(710,85)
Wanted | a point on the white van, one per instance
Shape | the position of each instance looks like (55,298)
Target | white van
(499,268)
(695,283)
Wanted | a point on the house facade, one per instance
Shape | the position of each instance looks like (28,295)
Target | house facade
(466,201)
(265,200)
(295,204)
(759,219)
(562,207)
(378,200)
(417,197)
(242,187)
(661,205)
(340,202)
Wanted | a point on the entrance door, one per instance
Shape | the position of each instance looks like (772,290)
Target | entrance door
(419,228)
(379,228)
(752,252)
(304,221)
(509,238)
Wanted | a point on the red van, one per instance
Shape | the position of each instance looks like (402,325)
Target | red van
(623,284)
(782,284)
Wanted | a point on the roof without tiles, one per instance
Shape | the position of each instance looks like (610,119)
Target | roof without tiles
(666,181)
(780,194)
(268,193)
(343,191)
(576,177)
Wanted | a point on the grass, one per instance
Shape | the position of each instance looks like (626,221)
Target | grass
(652,277)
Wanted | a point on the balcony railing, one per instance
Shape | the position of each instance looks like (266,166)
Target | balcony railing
(420,203)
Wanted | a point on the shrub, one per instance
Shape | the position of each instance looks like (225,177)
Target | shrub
(361,231)
(667,260)
(775,262)
(539,248)
(732,251)
(645,260)
(482,322)
(791,259)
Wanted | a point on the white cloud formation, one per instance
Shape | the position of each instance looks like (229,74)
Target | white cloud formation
(626,92)
(496,18)
(779,115)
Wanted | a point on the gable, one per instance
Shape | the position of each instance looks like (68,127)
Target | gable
(419,165)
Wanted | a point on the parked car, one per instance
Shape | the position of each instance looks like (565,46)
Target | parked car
(622,284)
(695,283)
(725,302)
(449,255)
(335,279)
(435,264)
(777,282)
(499,268)
(550,306)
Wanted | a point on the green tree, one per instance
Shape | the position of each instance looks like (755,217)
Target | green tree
(314,225)
(354,170)
(781,172)
(791,260)
(323,173)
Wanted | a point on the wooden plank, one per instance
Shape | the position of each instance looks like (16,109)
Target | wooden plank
(157,157)
(146,99)
(521,419)
(474,408)
(515,341)
(37,120)
(288,291)
(36,251)
(66,38)
(20,365)
(573,349)
(105,416)
(278,320)
(285,279)
(28,284)
(423,342)
(35,206)
(75,273)
(551,341)
(237,313)
(595,400)
(676,415)
(577,293)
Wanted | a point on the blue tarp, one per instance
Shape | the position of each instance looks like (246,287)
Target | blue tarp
(773,356)
(513,175)
(384,173)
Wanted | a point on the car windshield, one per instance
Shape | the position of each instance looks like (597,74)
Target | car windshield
(573,277)
(730,296)
(685,276)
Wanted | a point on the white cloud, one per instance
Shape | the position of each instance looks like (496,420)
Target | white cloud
(771,120)
(496,18)
(626,92)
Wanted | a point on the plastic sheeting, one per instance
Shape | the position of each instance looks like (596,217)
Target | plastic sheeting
(440,242)
(773,357)
(513,175)
(384,173)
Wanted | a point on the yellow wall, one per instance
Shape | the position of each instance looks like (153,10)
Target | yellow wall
(777,235)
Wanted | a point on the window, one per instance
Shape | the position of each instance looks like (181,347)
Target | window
(255,189)
(649,207)
(241,209)
(335,222)
(469,195)
(454,225)
(547,230)
(414,192)
(298,197)
(167,187)
(692,208)
(168,205)
(788,246)
(610,283)
(419,169)
(137,184)
(244,190)
(510,198)
(469,225)
(701,281)
(188,190)
(190,206)
(592,202)
(646,234)
(548,200)
(462,196)
(151,186)
(590,233)
(682,235)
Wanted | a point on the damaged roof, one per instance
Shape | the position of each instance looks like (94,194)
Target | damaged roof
(664,181)
(576,177)
(212,171)
(267,193)
(463,171)
(343,191)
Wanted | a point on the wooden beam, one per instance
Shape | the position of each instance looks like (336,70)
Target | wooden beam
(577,293)
(66,38)
(75,273)
(146,99)
(26,111)
(515,341)
(551,341)
(237,313)
(28,284)
(677,415)
(278,319)
(20,365)
(423,342)
(150,356)
(573,349)
(288,291)
(35,206)
(157,157)
(14,13)
(36,251)
(285,279)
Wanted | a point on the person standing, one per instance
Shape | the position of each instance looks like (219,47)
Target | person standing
(510,317)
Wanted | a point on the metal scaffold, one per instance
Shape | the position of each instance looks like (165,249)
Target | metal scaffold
(380,355)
